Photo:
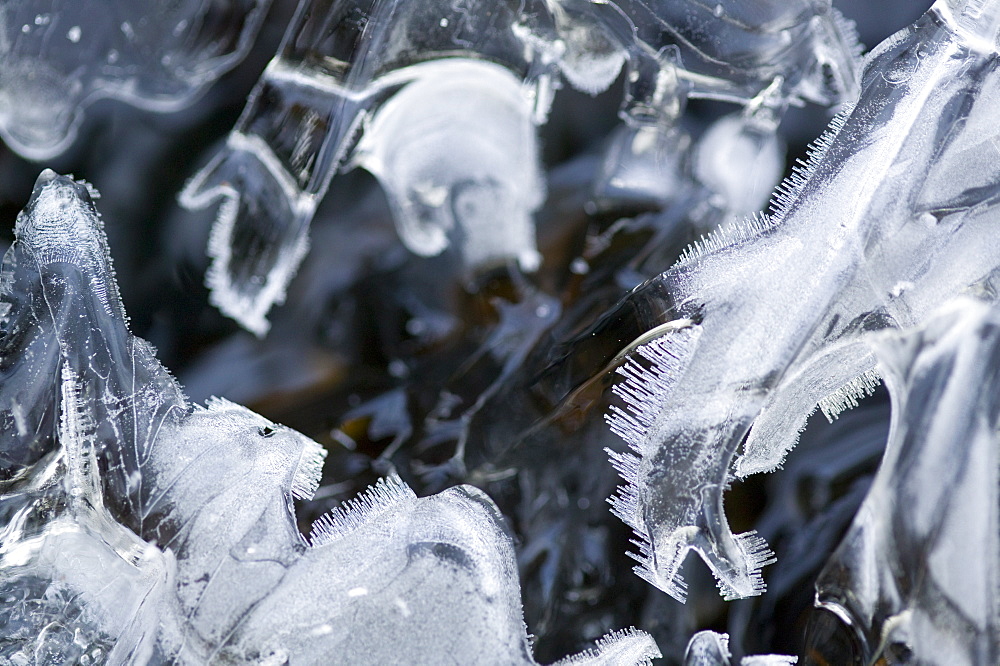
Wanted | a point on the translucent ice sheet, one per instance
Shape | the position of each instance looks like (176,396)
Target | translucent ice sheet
(916,577)
(440,102)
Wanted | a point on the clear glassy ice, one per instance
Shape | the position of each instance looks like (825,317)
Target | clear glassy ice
(916,577)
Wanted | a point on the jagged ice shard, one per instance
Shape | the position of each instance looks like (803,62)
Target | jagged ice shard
(140,528)
(58,56)
(916,578)
(894,213)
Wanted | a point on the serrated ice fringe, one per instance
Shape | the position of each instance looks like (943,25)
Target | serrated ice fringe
(625,504)
(847,396)
(625,647)
(76,430)
(848,29)
(644,392)
(788,191)
(387,493)
(727,236)
(757,555)
(645,389)
(309,470)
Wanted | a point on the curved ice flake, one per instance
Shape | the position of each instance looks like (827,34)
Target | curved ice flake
(155,531)
(455,152)
(58,56)
(895,213)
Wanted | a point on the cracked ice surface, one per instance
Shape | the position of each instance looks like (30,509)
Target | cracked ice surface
(894,213)
(140,528)
(58,56)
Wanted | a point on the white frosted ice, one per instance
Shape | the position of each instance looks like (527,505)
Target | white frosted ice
(456,153)
(894,213)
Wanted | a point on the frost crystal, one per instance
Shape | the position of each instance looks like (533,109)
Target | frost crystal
(894,213)
(141,529)
(57,57)
(935,500)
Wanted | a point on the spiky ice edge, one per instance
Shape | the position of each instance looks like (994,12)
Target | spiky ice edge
(757,555)
(848,395)
(308,472)
(785,195)
(627,647)
(848,29)
(388,492)
(644,392)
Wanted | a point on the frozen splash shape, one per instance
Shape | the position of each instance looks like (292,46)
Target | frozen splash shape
(58,56)
(440,101)
(917,576)
(894,213)
(139,528)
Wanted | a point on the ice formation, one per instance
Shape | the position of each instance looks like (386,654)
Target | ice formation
(708,648)
(445,98)
(58,56)
(916,577)
(448,342)
(139,528)
(441,103)
(765,55)
(894,213)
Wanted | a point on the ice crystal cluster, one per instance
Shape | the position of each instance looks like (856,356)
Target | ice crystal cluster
(526,283)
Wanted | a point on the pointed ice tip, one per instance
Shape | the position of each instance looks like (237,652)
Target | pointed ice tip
(63,189)
(46,176)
